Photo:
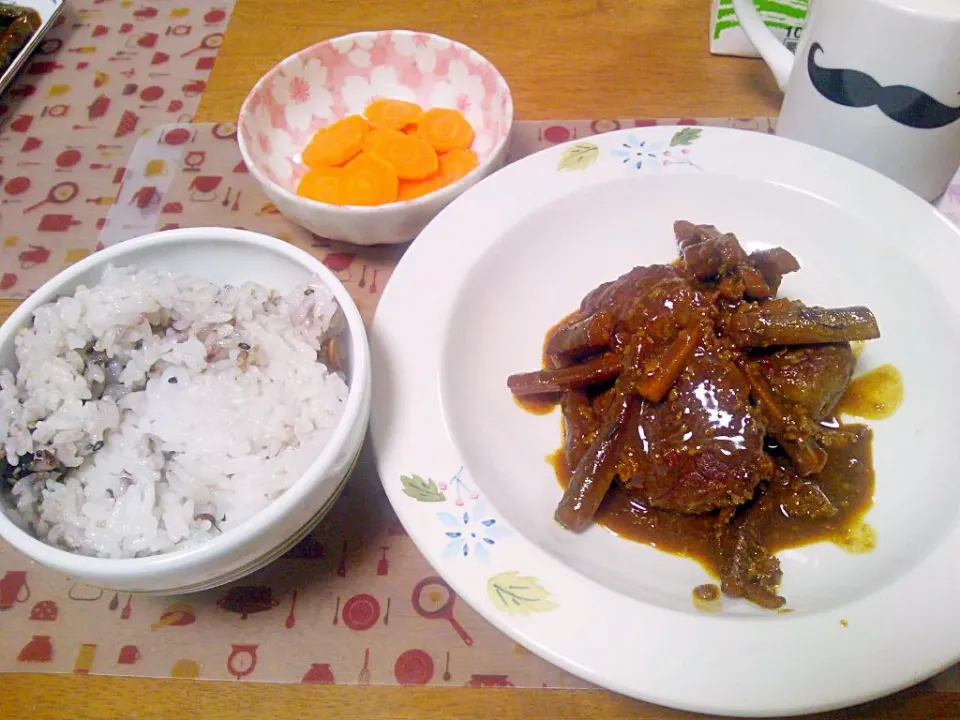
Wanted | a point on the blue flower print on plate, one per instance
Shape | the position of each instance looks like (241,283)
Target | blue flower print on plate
(655,155)
(471,531)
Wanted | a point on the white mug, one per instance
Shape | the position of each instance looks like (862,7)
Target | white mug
(875,80)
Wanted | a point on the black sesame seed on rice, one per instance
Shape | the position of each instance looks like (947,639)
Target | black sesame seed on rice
(308,291)
(243,346)
(172,381)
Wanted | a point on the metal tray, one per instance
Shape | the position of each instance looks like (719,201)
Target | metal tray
(49,10)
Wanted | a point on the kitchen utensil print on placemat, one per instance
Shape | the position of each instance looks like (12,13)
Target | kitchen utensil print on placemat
(204,188)
(38,650)
(433,599)
(342,567)
(246,600)
(185,668)
(13,588)
(361,612)
(176,615)
(364,677)
(86,654)
(242,660)
(90,89)
(193,160)
(413,667)
(291,619)
(319,673)
(38,254)
(224,131)
(45,611)
(68,159)
(55,223)
(115,603)
(79,592)
(339,263)
(488,681)
(14,187)
(129,655)
(211,41)
(61,193)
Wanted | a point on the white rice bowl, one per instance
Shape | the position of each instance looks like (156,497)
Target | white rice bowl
(155,411)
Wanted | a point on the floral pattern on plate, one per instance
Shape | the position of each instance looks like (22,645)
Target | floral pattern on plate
(635,152)
(475,532)
(657,155)
(516,594)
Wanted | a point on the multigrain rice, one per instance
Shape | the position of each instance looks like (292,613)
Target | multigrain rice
(154,411)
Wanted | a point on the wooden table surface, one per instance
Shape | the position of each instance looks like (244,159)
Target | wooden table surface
(564,59)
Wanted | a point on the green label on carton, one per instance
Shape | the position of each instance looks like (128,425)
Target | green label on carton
(783,14)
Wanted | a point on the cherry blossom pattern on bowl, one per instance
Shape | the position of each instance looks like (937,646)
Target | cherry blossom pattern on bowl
(321,84)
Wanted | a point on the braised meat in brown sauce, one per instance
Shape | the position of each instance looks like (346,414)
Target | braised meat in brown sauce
(697,410)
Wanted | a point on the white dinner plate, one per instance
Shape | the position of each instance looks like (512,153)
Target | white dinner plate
(465,468)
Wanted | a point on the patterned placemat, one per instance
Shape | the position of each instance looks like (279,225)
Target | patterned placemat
(353,603)
(109,71)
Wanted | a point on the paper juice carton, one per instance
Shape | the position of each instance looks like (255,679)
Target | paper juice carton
(784,17)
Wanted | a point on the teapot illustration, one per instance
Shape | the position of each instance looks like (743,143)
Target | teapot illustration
(319,673)
(38,650)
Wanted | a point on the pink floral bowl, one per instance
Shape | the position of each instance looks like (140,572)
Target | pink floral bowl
(338,77)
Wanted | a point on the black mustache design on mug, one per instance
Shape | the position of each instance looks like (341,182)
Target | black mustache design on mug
(901,103)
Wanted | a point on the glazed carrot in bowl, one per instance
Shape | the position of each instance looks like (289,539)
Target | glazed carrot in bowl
(374,156)
(392,114)
(430,154)
(336,144)
(445,129)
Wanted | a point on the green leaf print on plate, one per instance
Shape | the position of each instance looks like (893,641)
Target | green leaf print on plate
(687,136)
(518,595)
(420,489)
(578,156)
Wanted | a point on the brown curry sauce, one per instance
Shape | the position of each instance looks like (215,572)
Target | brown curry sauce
(847,480)
(686,489)
(874,395)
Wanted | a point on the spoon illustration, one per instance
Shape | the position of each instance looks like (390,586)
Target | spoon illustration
(291,620)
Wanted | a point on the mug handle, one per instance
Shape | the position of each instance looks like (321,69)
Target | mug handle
(774,53)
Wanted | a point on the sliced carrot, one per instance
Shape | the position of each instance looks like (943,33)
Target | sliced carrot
(410,156)
(337,143)
(369,181)
(396,152)
(445,129)
(457,163)
(376,137)
(323,185)
(392,114)
(410,189)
